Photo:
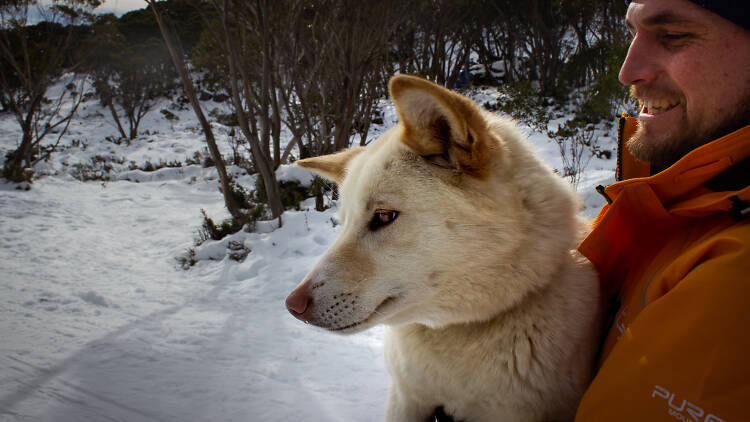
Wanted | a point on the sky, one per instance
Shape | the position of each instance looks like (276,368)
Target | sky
(117,7)
(120,7)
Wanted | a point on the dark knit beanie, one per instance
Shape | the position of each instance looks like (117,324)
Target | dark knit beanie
(737,11)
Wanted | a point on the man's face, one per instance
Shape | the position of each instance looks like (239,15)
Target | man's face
(690,71)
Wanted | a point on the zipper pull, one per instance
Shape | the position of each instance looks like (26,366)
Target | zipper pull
(601,191)
(740,209)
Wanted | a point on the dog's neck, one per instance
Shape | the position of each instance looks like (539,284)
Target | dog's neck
(511,320)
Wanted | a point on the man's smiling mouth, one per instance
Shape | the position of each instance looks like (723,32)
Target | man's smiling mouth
(659,106)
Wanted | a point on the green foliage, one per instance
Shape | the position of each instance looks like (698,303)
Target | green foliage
(200,158)
(187,260)
(169,115)
(292,193)
(97,169)
(575,140)
(226,119)
(253,214)
(184,15)
(603,92)
(208,57)
(31,58)
(208,161)
(196,159)
(524,103)
(35,55)
(212,231)
(209,230)
(100,167)
(126,74)
(240,195)
(148,166)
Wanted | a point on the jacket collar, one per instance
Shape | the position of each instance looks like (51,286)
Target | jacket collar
(717,171)
(647,207)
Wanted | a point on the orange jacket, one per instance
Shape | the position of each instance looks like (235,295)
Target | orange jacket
(673,254)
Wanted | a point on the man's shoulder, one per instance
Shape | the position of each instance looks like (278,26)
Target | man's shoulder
(685,350)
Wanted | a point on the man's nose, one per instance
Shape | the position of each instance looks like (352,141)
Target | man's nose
(640,65)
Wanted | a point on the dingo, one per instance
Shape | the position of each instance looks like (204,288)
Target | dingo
(463,242)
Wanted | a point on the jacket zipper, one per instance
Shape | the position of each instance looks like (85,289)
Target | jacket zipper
(620,142)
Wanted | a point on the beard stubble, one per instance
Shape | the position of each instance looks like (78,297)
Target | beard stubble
(662,154)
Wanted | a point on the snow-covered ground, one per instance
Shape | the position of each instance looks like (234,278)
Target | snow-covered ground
(98,322)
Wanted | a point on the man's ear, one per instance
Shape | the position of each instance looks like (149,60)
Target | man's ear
(442,126)
(333,166)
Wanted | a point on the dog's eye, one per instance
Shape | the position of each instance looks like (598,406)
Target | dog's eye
(382,218)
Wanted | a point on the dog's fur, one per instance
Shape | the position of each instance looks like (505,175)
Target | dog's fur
(492,314)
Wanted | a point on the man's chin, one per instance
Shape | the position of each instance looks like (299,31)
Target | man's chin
(661,149)
(664,138)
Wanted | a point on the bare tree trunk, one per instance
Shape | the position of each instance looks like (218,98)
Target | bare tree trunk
(275,125)
(262,161)
(296,140)
(319,200)
(116,118)
(21,158)
(131,124)
(14,169)
(18,165)
(187,83)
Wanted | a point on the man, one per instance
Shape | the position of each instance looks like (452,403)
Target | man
(672,246)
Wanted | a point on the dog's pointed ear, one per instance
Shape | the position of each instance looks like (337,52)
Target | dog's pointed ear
(442,126)
(332,166)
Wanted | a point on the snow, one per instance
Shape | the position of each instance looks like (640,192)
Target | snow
(99,321)
(292,173)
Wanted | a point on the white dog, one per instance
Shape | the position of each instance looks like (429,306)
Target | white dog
(463,242)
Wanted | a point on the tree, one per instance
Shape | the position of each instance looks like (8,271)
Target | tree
(440,45)
(253,98)
(125,75)
(175,52)
(334,63)
(32,58)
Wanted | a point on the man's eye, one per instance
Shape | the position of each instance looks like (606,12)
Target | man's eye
(672,36)
(676,40)
(382,218)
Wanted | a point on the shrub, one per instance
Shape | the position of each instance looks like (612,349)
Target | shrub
(169,115)
(226,119)
(524,103)
(196,159)
(99,168)
(240,195)
(574,140)
(149,166)
(187,260)
(292,193)
(117,140)
(208,161)
(211,231)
